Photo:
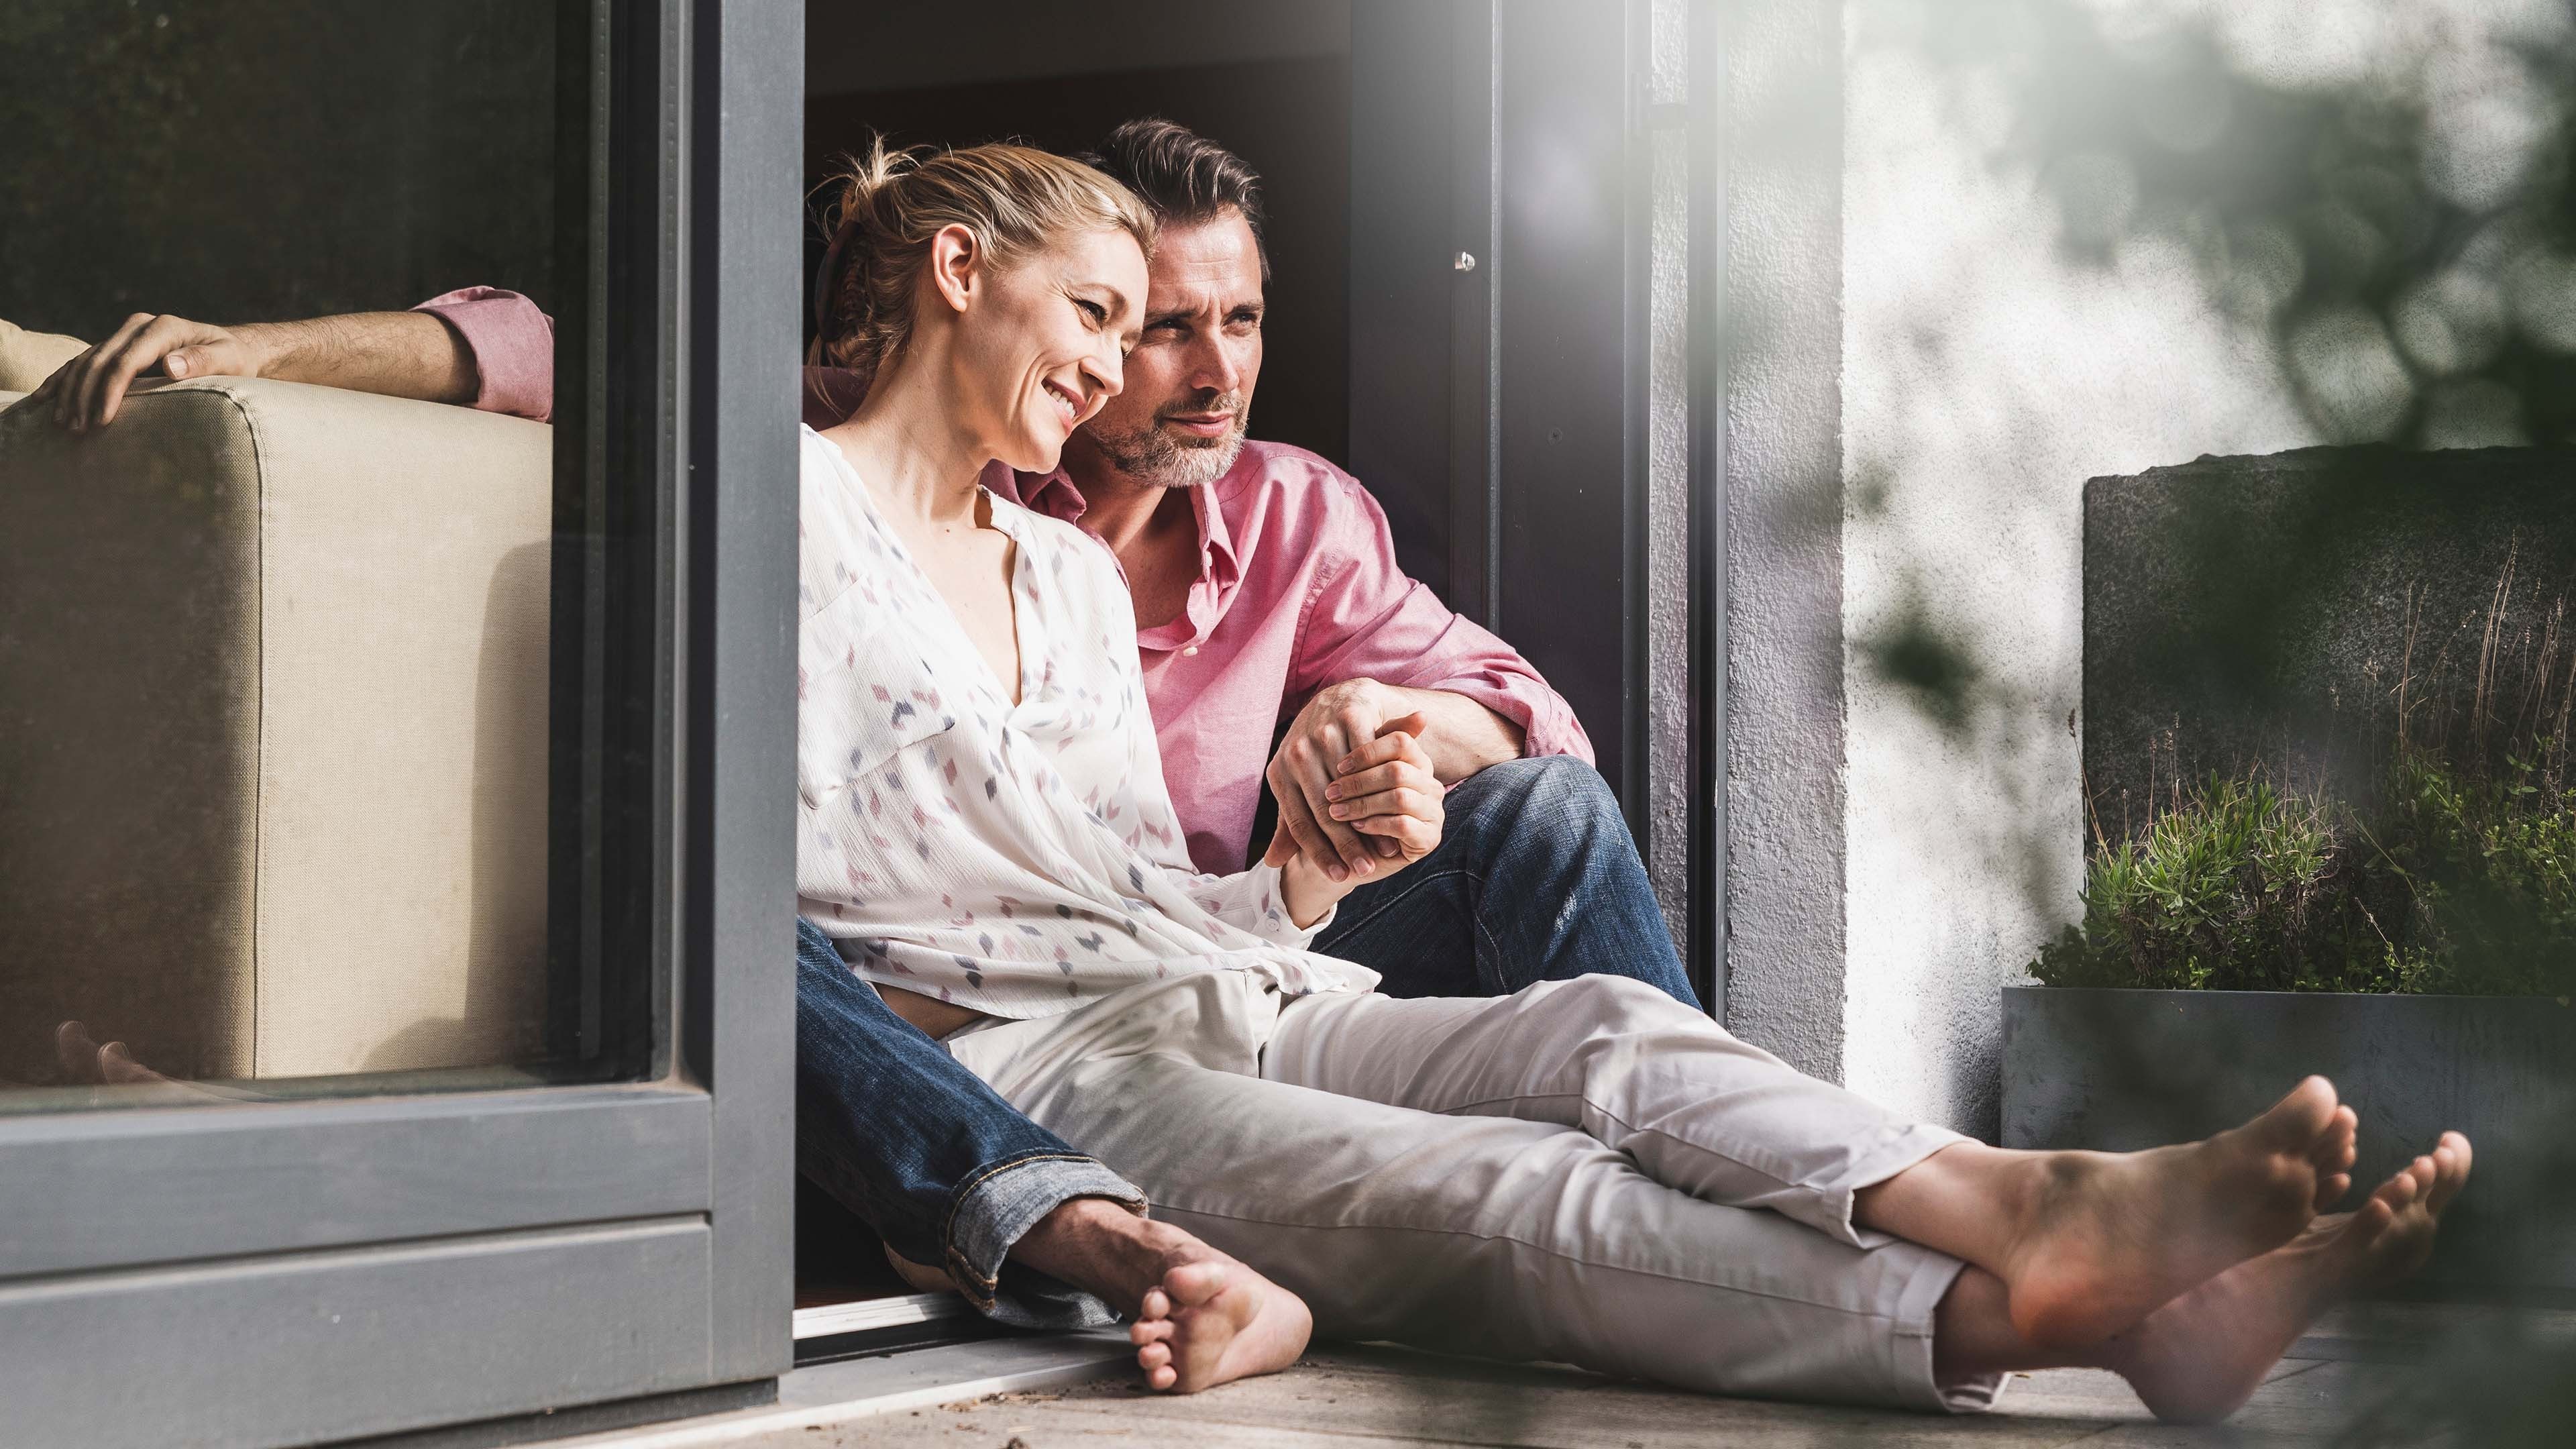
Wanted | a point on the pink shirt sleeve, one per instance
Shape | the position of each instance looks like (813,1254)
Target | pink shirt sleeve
(513,345)
(1368,619)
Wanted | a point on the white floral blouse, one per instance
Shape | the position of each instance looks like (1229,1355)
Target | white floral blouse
(1016,859)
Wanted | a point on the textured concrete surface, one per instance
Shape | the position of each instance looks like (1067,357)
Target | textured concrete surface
(2258,608)
(1784,592)
(1985,374)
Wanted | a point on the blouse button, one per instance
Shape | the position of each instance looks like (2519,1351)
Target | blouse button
(1189,649)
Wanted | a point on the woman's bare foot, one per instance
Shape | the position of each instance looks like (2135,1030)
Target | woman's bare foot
(2201,1356)
(2104,1239)
(1213,1321)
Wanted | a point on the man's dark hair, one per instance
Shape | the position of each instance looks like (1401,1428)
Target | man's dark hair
(1183,176)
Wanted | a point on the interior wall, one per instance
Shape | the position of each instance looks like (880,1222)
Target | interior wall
(1288,115)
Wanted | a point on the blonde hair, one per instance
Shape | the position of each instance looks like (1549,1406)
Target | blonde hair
(1016,200)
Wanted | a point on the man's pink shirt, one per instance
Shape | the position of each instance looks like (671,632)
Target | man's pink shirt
(1298,588)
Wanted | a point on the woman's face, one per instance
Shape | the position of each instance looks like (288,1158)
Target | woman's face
(1040,344)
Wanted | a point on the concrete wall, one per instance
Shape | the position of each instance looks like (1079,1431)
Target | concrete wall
(1985,375)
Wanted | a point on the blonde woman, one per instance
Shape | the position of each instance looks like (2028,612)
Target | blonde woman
(1584,1171)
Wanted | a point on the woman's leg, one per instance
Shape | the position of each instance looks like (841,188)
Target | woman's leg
(1485,1235)
(2088,1243)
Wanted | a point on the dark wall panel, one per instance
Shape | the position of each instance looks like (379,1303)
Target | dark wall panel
(236,162)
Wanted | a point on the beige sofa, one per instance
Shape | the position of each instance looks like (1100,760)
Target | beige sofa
(273,769)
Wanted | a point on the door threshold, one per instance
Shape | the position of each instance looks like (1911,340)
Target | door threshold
(828,1394)
(829,1332)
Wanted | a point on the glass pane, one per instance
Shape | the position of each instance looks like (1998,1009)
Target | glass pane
(313,669)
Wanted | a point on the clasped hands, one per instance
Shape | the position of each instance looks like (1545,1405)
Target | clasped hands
(1357,797)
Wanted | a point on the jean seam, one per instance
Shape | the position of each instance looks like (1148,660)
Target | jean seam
(1411,887)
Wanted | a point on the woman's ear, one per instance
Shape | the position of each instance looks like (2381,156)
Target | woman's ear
(956,257)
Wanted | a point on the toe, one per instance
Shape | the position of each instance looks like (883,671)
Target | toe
(1154,1356)
(2451,1170)
(1158,1304)
(2297,1121)
(2331,1188)
(1149,1330)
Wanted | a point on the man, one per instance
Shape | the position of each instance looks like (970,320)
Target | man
(1265,587)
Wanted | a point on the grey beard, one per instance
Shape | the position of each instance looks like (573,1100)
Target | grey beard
(1156,458)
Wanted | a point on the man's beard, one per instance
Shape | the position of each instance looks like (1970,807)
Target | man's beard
(1152,456)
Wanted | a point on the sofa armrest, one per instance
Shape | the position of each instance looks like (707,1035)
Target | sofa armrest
(273,744)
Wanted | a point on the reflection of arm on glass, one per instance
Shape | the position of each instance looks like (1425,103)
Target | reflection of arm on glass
(478,345)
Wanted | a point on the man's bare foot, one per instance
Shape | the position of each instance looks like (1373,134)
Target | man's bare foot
(2198,1358)
(2104,1239)
(83,1060)
(1213,1321)
(1201,1318)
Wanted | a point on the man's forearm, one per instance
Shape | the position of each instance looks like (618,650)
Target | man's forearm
(397,354)
(1464,736)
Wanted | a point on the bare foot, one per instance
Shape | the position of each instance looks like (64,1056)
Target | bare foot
(2201,1356)
(1213,1321)
(2107,1238)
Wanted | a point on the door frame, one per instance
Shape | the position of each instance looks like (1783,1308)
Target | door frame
(291,1272)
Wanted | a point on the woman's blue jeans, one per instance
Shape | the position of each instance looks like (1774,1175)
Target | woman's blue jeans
(1535,879)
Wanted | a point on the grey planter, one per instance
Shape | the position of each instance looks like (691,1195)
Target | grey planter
(2118,1070)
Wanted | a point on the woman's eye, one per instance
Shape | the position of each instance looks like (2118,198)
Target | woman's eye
(1093,310)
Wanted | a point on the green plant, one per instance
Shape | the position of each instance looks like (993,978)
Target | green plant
(2449,880)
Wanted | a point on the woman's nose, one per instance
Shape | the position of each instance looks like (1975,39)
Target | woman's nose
(1107,370)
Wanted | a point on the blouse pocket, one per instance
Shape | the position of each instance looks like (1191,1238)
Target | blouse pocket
(863,695)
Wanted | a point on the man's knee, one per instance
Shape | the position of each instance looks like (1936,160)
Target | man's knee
(1559,786)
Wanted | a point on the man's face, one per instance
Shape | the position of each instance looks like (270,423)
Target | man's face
(1179,419)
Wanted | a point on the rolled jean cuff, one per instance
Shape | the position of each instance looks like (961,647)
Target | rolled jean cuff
(996,1208)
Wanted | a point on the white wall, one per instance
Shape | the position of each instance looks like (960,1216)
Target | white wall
(1986,373)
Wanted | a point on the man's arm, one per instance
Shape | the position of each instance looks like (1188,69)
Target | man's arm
(1377,645)
(400,354)
(478,346)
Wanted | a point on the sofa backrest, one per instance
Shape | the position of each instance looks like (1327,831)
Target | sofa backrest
(28,358)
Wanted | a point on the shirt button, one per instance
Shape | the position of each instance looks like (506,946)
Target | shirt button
(1189,649)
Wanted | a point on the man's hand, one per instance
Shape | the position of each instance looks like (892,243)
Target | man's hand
(1386,793)
(1339,719)
(86,391)
(398,354)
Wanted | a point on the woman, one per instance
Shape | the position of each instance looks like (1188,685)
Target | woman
(1585,1171)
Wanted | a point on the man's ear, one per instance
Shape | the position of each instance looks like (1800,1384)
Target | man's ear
(956,257)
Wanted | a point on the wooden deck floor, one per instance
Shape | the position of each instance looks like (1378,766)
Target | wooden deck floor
(1368,1397)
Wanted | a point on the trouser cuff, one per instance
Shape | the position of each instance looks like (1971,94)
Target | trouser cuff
(994,1209)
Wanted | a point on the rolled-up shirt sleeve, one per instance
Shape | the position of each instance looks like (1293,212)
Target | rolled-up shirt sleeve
(513,344)
(1367,619)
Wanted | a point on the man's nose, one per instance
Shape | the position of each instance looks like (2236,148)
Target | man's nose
(1218,369)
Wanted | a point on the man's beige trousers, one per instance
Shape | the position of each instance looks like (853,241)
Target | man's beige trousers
(1587,1172)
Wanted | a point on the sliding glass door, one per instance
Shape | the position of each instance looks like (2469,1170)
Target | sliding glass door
(395,714)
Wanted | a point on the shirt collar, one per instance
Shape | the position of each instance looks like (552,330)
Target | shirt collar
(1054,495)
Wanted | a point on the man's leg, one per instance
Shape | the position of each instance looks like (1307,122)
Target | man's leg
(950,1175)
(1535,879)
(1031,1231)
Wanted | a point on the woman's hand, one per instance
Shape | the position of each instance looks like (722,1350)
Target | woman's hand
(1384,790)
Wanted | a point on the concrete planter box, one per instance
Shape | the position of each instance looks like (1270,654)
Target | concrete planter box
(2117,1070)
